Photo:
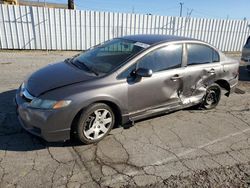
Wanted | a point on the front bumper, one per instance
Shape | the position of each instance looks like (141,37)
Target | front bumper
(51,125)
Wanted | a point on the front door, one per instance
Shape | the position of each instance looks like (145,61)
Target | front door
(164,86)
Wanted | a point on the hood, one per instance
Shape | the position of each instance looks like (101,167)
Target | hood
(55,76)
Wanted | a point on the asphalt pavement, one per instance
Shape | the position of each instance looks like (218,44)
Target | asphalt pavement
(184,148)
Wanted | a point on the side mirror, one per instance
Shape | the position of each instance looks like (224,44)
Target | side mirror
(141,72)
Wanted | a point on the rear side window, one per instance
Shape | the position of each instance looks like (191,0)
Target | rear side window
(201,54)
(165,58)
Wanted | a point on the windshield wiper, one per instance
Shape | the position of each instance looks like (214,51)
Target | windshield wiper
(70,60)
(90,68)
(80,65)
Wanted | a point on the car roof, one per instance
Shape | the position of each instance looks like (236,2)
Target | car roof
(153,39)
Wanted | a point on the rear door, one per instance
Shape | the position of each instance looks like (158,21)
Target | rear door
(202,68)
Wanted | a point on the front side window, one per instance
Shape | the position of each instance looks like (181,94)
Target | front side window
(108,56)
(201,54)
(165,58)
(127,72)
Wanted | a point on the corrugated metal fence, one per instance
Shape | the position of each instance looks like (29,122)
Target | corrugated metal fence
(24,27)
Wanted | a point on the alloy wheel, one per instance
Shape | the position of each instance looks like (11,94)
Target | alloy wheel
(98,124)
(212,98)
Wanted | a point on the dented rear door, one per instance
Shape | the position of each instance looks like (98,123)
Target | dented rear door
(203,68)
(197,78)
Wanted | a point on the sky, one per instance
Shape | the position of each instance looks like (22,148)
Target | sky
(219,9)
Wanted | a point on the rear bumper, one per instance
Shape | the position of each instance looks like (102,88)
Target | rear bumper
(47,124)
(233,83)
(248,66)
(232,88)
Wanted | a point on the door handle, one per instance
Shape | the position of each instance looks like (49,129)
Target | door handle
(211,71)
(175,77)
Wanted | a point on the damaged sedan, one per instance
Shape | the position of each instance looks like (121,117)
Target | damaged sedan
(121,81)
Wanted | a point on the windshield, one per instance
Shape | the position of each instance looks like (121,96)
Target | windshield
(108,56)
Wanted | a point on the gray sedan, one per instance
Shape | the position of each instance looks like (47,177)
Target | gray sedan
(121,81)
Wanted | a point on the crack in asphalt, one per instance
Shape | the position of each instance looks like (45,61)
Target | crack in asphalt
(124,170)
(80,163)
(242,120)
(3,174)
(52,156)
(53,175)
(70,175)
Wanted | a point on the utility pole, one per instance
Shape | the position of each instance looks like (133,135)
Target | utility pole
(181,4)
(71,4)
(189,12)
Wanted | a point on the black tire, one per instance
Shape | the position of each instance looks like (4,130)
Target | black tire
(86,122)
(212,97)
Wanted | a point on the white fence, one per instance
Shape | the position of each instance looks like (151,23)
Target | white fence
(24,27)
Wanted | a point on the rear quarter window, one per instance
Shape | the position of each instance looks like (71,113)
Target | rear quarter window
(201,54)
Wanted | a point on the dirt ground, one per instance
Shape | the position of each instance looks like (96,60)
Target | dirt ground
(187,148)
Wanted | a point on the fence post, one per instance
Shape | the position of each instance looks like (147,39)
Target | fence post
(173,25)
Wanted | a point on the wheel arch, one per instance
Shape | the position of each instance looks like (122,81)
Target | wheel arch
(115,108)
(225,85)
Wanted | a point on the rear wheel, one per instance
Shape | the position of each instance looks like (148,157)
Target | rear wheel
(95,123)
(212,97)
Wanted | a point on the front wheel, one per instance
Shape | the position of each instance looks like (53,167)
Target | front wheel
(212,97)
(95,123)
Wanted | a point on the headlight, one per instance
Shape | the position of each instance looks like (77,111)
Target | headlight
(48,104)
